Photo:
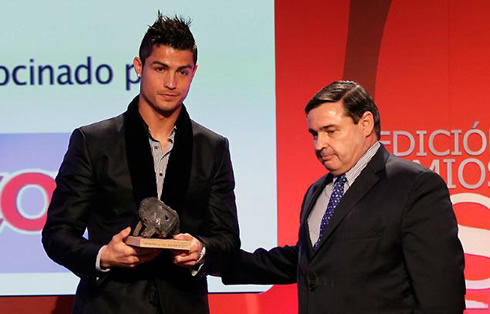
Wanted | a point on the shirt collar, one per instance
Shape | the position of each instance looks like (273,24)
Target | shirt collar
(171,136)
(355,171)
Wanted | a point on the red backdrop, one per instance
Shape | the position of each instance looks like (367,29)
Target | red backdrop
(426,64)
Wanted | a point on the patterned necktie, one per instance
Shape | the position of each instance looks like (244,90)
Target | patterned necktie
(338,192)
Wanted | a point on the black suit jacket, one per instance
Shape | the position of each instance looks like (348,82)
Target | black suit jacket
(391,247)
(107,170)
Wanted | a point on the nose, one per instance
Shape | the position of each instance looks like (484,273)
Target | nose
(170,81)
(320,142)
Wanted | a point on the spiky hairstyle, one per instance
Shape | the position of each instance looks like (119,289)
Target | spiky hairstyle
(170,31)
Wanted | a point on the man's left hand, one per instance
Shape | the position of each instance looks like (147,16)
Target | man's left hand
(187,258)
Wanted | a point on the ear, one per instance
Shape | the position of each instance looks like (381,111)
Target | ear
(366,122)
(138,66)
(194,71)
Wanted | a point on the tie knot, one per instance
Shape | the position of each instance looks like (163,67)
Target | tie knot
(341,179)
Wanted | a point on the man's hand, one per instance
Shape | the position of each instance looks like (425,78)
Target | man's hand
(119,254)
(187,258)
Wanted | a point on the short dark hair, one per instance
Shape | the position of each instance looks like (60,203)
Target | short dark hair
(354,97)
(173,32)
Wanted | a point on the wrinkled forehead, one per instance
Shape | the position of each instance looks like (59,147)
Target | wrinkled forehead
(327,113)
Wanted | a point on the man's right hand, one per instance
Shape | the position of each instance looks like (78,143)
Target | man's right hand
(119,254)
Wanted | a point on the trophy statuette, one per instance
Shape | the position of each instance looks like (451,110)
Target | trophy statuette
(157,223)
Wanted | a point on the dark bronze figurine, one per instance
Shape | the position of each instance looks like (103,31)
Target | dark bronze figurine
(157,220)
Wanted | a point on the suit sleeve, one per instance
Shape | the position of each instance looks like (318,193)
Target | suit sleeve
(276,266)
(221,237)
(68,212)
(433,252)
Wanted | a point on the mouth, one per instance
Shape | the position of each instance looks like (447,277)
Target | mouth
(326,158)
(168,95)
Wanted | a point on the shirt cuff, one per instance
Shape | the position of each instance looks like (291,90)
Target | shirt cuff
(199,263)
(97,261)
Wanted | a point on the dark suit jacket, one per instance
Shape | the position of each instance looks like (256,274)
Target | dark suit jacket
(391,247)
(107,170)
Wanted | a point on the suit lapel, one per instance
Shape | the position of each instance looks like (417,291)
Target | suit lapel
(310,201)
(364,182)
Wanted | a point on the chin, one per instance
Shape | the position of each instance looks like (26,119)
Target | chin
(168,107)
(334,171)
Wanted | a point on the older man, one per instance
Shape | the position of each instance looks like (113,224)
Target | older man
(377,233)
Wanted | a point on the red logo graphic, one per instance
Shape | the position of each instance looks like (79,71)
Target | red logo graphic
(11,188)
(473,214)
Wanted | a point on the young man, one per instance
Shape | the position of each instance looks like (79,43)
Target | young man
(377,233)
(153,149)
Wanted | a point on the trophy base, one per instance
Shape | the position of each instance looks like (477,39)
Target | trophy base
(158,243)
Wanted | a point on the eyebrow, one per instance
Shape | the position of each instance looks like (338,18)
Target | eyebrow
(323,128)
(167,66)
(329,126)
